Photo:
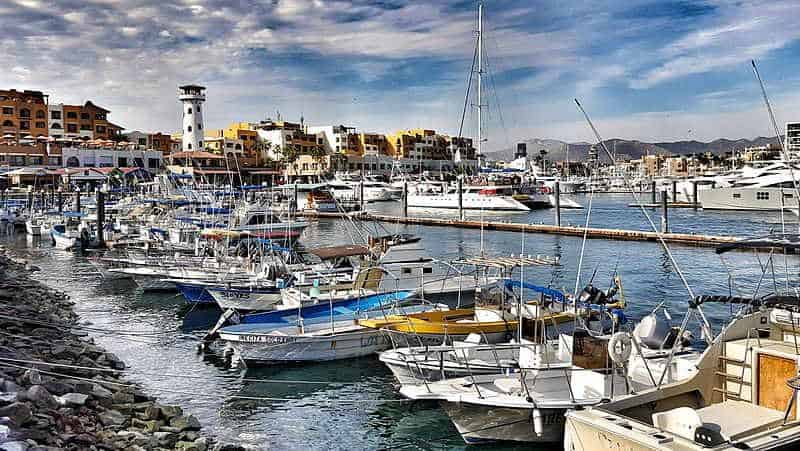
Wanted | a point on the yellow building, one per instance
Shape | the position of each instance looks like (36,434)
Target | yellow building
(244,131)
(371,144)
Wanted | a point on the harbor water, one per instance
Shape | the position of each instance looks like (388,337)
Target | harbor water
(353,404)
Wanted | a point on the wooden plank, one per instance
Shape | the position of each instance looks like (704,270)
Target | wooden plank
(773,372)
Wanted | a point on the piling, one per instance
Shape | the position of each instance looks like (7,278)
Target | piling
(294,205)
(43,195)
(78,200)
(460,200)
(694,195)
(361,195)
(674,190)
(60,201)
(557,195)
(664,217)
(653,191)
(101,218)
(405,199)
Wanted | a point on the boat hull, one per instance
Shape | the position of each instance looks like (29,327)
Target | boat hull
(752,199)
(482,424)
(275,347)
(242,299)
(450,201)
(195,294)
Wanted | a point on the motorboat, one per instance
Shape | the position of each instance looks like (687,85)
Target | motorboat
(497,198)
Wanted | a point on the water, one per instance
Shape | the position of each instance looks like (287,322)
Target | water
(355,405)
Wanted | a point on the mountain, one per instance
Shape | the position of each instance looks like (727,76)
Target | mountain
(627,149)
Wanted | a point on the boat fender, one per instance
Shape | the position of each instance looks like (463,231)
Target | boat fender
(619,347)
(538,424)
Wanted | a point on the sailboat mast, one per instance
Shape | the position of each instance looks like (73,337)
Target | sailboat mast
(480,76)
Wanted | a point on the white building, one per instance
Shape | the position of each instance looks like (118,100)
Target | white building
(334,138)
(55,120)
(77,157)
(793,139)
(192,97)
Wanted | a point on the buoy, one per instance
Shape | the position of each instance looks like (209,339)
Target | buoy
(619,347)
(538,424)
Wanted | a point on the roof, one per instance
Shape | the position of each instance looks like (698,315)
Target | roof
(191,87)
(197,154)
(340,251)
(89,104)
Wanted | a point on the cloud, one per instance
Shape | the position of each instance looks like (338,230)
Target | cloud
(383,65)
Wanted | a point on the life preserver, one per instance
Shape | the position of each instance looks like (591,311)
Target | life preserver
(619,347)
(546,189)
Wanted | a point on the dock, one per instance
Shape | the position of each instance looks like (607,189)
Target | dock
(688,239)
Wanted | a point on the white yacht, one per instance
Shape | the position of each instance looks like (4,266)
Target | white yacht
(770,191)
(500,198)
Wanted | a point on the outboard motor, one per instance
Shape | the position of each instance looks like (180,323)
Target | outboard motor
(654,332)
(592,295)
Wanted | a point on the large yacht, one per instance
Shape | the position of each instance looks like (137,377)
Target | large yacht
(771,188)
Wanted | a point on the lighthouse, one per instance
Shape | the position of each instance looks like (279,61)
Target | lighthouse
(192,97)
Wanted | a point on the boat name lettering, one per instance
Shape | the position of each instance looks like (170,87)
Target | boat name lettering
(269,339)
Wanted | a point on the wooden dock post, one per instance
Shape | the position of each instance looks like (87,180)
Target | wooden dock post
(294,206)
(60,201)
(460,200)
(30,199)
(101,218)
(664,217)
(674,190)
(78,200)
(558,203)
(694,195)
(405,199)
(653,190)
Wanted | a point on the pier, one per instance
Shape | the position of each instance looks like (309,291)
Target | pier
(689,239)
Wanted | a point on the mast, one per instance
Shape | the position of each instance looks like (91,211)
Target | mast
(480,76)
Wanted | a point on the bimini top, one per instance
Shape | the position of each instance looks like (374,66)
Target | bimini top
(776,240)
(349,250)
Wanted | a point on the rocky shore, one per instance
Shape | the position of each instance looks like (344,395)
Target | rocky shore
(84,403)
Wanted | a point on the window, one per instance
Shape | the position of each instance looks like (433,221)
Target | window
(156,143)
(153,163)
(36,161)
(199,126)
(142,141)
(72,115)
(8,110)
(55,115)
(86,117)
(200,144)
(406,271)
(762,195)
(41,125)
(198,108)
(101,129)
(229,145)
(24,125)
(188,128)
(40,114)
(122,162)
(54,161)
(72,128)
(190,146)
(427,270)
(8,123)
(86,127)
(24,112)
(189,110)
(18,160)
(100,116)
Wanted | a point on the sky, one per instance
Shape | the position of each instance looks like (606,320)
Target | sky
(648,70)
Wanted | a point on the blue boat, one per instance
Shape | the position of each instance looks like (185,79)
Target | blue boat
(322,312)
(195,293)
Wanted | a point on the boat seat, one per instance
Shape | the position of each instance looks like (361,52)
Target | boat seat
(720,422)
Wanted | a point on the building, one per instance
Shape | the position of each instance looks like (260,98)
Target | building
(424,144)
(339,139)
(223,144)
(245,132)
(87,121)
(371,144)
(792,140)
(23,114)
(279,136)
(80,157)
(192,97)
(677,166)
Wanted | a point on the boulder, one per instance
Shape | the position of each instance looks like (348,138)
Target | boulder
(166,439)
(171,411)
(100,392)
(186,446)
(41,397)
(72,399)
(59,387)
(7,398)
(122,397)
(111,418)
(19,413)
(201,444)
(14,446)
(185,423)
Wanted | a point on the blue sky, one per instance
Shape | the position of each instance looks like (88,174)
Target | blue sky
(649,70)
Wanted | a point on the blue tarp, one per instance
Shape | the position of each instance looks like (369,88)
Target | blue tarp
(555,294)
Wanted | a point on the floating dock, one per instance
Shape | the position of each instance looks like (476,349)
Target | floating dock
(689,239)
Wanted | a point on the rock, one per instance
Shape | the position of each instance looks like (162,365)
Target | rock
(99,392)
(228,447)
(41,397)
(4,431)
(14,446)
(122,397)
(185,423)
(111,418)
(32,377)
(59,387)
(148,427)
(186,446)
(201,444)
(152,413)
(84,439)
(10,387)
(171,411)
(114,361)
(166,439)
(72,399)
(18,412)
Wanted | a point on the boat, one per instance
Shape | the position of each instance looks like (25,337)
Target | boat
(490,198)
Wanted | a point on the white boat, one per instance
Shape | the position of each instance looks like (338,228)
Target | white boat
(743,395)
(767,192)
(66,239)
(315,342)
(497,198)
(262,295)
(33,227)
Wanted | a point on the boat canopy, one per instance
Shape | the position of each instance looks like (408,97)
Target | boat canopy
(776,240)
(508,262)
(351,250)
(553,294)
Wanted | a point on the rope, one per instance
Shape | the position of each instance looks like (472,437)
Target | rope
(87,328)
